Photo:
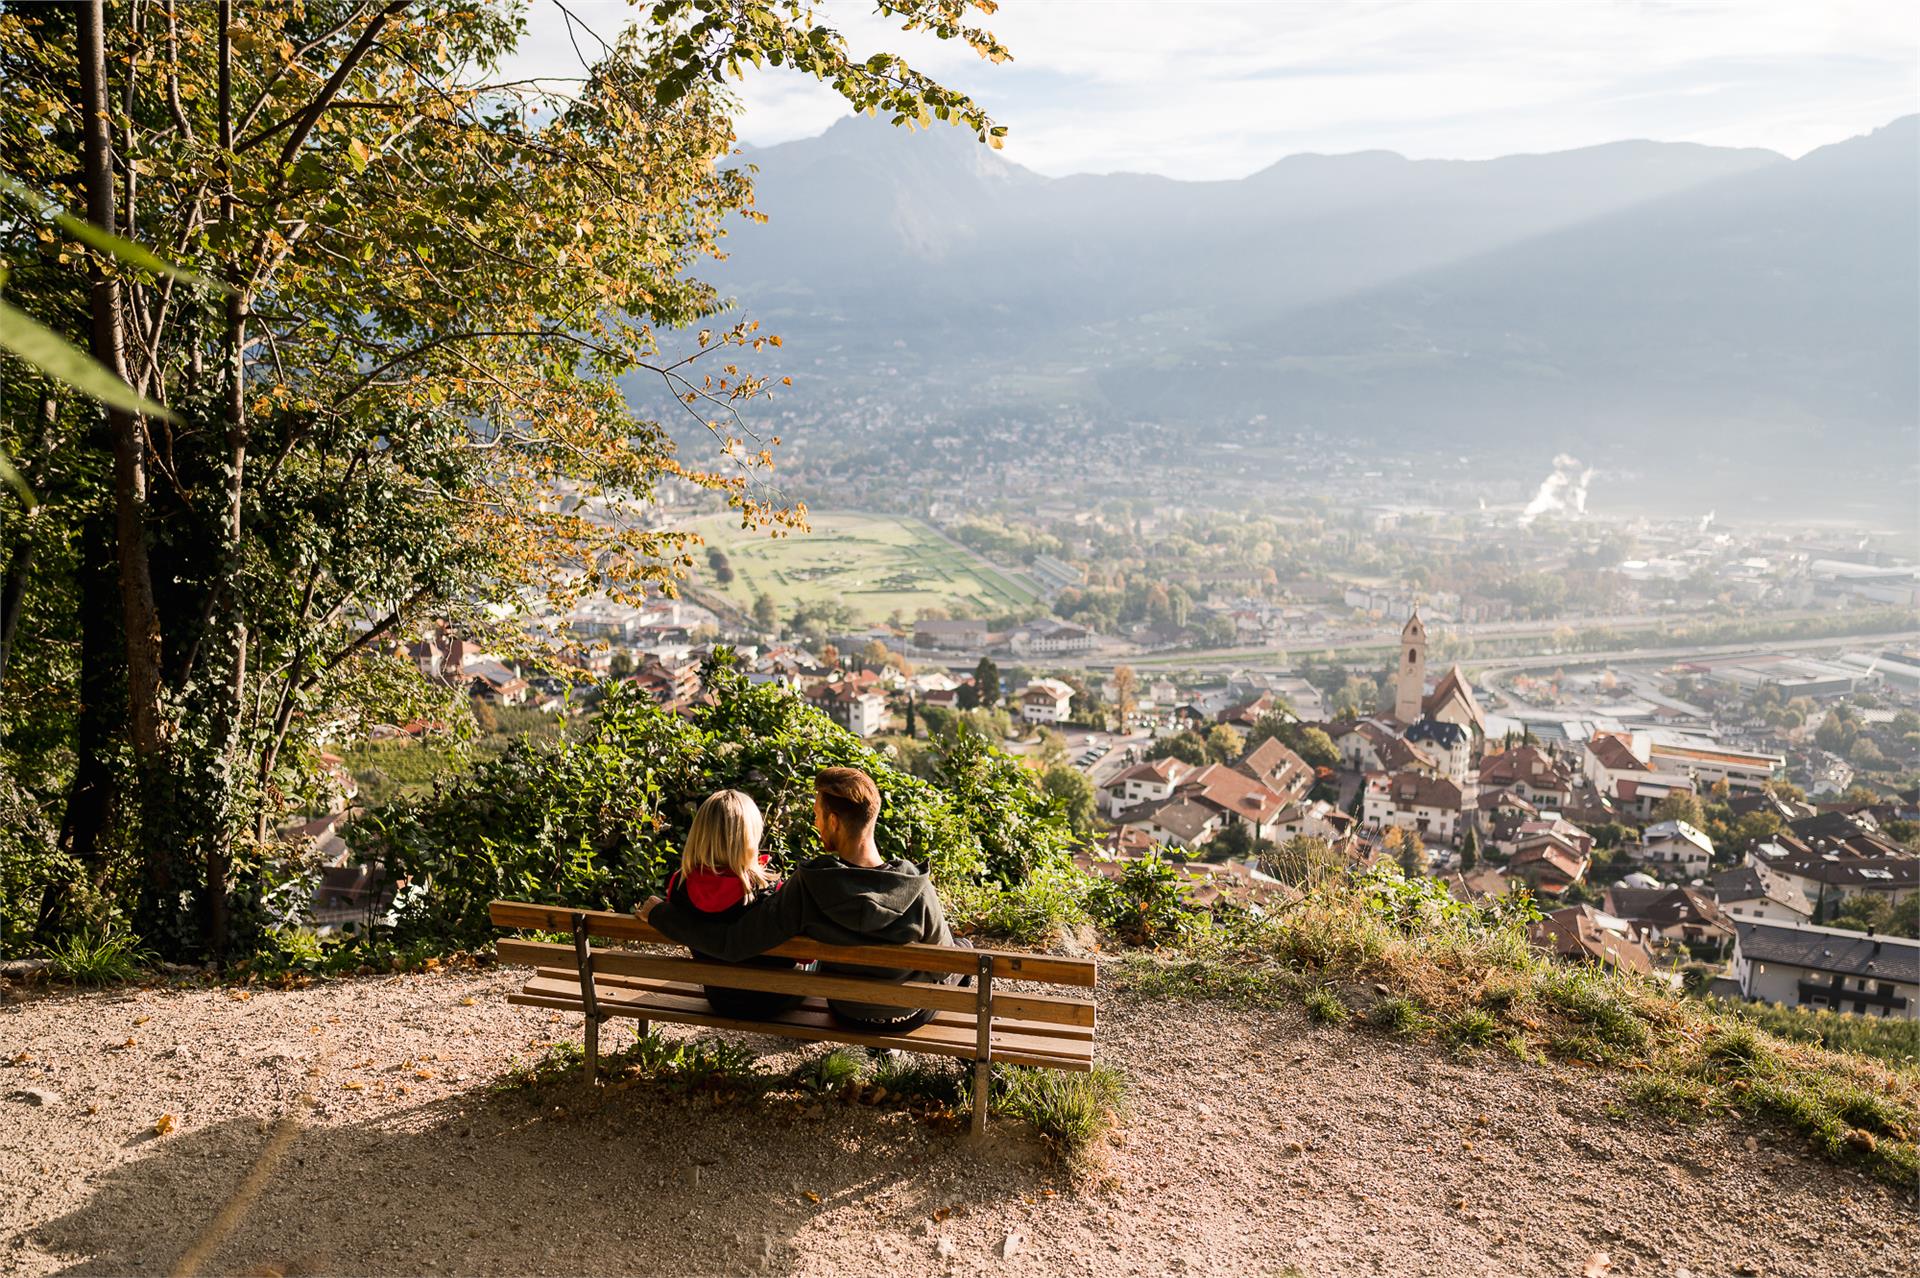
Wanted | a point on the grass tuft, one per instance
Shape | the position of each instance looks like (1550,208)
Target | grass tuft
(1673,1096)
(1397,1015)
(1324,1006)
(919,1078)
(1469,1030)
(105,957)
(831,1071)
(1071,1112)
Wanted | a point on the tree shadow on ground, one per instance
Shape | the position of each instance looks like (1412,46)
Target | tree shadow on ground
(560,1178)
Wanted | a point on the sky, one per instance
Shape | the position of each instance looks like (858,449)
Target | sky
(1213,89)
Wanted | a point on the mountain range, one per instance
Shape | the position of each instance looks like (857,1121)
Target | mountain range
(1706,306)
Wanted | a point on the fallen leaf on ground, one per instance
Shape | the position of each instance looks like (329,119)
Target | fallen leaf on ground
(354,1087)
(1010,1245)
(163,1124)
(1599,1265)
(468,1001)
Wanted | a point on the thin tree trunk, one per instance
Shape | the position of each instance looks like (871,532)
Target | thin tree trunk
(94,787)
(141,619)
(13,587)
(226,595)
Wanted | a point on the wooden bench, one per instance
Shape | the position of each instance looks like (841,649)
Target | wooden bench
(984,1023)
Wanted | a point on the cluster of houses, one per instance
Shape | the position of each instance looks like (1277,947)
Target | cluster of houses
(1424,765)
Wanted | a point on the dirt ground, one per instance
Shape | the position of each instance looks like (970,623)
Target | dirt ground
(354,1128)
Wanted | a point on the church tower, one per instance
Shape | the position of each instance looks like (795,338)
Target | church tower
(1410,685)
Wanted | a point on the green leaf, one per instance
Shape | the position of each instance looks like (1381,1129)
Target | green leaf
(61,360)
(15,480)
(126,250)
(129,252)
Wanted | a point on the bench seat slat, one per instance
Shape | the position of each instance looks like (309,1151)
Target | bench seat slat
(1046,1008)
(959,1017)
(812,1024)
(1046,969)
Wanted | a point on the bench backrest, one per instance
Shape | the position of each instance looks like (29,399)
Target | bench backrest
(1048,969)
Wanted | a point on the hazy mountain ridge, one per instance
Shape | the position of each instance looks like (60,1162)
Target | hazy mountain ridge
(1637,288)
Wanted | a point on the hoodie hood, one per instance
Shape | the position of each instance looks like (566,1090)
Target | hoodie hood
(880,902)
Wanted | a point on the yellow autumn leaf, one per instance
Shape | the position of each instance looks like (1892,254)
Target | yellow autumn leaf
(353,1086)
(163,1124)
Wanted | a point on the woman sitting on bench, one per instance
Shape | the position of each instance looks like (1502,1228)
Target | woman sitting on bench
(721,874)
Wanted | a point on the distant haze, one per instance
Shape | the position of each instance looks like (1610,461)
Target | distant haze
(1662,306)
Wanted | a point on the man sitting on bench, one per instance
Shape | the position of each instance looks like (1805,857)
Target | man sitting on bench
(851,896)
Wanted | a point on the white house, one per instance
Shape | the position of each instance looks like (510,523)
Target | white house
(1048,636)
(1449,745)
(1758,893)
(1045,701)
(1677,844)
(1799,965)
(1429,806)
(1147,782)
(860,711)
(1617,765)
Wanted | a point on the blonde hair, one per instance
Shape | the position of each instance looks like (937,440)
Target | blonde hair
(725,839)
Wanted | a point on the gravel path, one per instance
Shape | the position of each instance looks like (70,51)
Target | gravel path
(352,1128)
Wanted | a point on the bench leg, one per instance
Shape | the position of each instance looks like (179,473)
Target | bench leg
(591,1061)
(982,1083)
(983,1044)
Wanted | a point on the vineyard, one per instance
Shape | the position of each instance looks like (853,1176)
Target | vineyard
(875,564)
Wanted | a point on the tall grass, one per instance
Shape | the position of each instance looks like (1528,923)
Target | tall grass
(96,958)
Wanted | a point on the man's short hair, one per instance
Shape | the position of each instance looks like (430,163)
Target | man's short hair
(850,798)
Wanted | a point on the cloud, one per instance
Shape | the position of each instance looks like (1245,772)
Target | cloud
(1216,89)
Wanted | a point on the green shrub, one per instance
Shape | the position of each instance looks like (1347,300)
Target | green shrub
(598,820)
(1895,1039)
(1146,904)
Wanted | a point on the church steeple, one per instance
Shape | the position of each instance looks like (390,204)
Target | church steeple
(1410,684)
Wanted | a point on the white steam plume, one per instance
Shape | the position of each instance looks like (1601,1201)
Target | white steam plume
(1564,490)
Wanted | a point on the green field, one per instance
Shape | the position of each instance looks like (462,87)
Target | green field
(874,564)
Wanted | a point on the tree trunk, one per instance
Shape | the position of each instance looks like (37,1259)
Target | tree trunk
(141,619)
(92,792)
(13,587)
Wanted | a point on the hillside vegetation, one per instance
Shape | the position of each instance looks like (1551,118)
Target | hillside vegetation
(597,820)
